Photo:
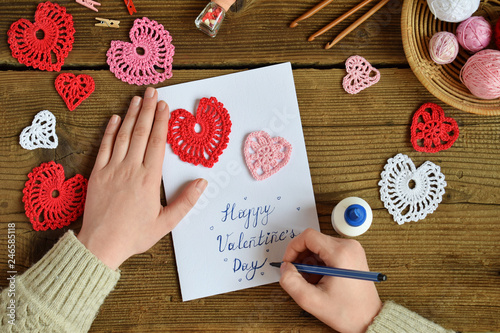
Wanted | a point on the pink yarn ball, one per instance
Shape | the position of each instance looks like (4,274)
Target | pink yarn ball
(474,34)
(481,74)
(443,47)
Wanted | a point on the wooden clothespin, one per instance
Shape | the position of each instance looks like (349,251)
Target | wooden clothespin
(107,23)
(130,6)
(89,4)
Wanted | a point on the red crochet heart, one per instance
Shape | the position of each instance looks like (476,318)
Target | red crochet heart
(206,145)
(51,202)
(431,131)
(74,89)
(45,52)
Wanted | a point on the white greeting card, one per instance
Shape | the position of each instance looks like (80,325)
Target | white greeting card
(240,225)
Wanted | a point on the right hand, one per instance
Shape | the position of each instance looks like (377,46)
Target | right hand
(346,305)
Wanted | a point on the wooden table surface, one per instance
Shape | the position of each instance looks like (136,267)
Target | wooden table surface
(446,267)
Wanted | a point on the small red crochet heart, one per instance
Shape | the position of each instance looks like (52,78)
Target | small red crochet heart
(74,89)
(47,42)
(431,131)
(203,146)
(49,200)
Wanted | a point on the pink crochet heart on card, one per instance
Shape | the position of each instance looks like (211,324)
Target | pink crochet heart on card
(360,75)
(147,59)
(265,155)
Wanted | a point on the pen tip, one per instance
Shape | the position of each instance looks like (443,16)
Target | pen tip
(275,264)
(293,24)
(382,277)
(310,39)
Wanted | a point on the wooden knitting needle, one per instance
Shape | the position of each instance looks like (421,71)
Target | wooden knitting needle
(310,13)
(340,19)
(357,23)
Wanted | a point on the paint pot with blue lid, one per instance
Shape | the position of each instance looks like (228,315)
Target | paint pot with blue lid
(352,217)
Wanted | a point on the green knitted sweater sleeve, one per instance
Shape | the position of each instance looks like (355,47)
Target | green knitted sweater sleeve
(394,318)
(61,293)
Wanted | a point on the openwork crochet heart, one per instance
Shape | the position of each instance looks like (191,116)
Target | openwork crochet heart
(74,89)
(41,133)
(51,202)
(148,59)
(409,193)
(431,131)
(201,145)
(265,155)
(45,52)
(360,75)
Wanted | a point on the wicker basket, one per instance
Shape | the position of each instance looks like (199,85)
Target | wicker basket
(418,25)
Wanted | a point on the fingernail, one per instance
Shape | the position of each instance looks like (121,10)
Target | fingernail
(162,105)
(136,100)
(114,119)
(201,185)
(149,92)
(282,267)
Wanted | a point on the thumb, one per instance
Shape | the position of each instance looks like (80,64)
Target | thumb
(306,295)
(175,212)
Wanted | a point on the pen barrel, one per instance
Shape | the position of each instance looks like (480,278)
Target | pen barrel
(340,272)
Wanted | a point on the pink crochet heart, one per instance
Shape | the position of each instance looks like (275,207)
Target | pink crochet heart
(148,59)
(360,75)
(264,155)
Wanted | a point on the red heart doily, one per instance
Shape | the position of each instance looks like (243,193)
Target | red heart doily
(431,131)
(74,89)
(48,50)
(49,200)
(204,145)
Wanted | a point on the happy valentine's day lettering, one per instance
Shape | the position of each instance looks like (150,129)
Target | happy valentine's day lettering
(250,216)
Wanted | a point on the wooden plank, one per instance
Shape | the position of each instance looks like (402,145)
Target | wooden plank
(445,267)
(255,36)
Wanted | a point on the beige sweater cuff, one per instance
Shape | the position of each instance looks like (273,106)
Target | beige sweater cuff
(67,286)
(396,318)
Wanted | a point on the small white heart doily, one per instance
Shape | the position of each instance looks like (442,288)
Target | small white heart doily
(408,193)
(41,133)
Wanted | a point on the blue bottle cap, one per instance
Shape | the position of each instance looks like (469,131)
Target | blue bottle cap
(355,215)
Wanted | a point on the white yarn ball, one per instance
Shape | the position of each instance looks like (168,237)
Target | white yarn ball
(453,10)
(443,47)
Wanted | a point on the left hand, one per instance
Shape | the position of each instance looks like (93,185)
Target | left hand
(123,215)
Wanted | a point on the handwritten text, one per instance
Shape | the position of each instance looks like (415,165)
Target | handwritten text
(251,216)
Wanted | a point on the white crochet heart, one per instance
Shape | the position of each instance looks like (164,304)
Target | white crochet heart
(41,133)
(409,193)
